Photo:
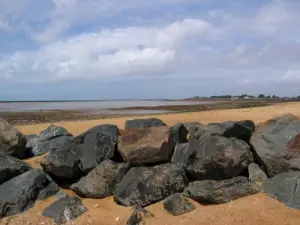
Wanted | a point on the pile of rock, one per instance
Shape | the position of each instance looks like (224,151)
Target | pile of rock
(148,162)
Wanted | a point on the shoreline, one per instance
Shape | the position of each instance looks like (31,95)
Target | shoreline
(51,116)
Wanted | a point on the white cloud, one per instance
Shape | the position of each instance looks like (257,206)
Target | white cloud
(123,51)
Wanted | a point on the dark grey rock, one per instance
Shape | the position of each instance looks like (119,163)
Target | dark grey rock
(197,130)
(101,181)
(65,210)
(64,163)
(256,174)
(29,137)
(239,129)
(285,187)
(271,142)
(179,133)
(144,123)
(96,148)
(213,157)
(51,138)
(20,193)
(108,129)
(146,185)
(147,146)
(177,205)
(217,192)
(138,216)
(12,141)
(11,167)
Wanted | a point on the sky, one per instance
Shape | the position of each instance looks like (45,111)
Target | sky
(108,49)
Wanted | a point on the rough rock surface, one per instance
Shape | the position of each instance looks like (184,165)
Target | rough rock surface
(272,143)
(147,146)
(177,205)
(20,193)
(101,181)
(144,123)
(256,174)
(98,147)
(213,157)
(11,167)
(138,216)
(217,192)
(285,187)
(146,185)
(51,138)
(64,163)
(180,133)
(12,141)
(108,129)
(239,129)
(65,210)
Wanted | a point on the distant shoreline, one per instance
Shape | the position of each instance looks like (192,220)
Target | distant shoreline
(49,116)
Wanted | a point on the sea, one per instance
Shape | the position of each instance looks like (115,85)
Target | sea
(92,106)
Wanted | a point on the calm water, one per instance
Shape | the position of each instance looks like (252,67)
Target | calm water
(97,106)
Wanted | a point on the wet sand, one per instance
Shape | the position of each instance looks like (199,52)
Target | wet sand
(256,209)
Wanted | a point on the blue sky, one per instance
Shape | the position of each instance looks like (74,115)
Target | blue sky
(106,49)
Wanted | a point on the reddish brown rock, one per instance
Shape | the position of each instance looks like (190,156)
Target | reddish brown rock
(294,145)
(147,146)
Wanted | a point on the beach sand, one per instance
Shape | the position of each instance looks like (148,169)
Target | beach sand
(256,209)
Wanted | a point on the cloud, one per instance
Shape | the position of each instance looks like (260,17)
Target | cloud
(121,51)
(245,44)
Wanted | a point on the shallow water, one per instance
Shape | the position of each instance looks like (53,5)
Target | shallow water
(91,105)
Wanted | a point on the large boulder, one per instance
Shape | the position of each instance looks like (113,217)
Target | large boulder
(108,129)
(12,141)
(285,188)
(177,204)
(11,167)
(65,210)
(146,185)
(147,146)
(144,123)
(213,157)
(102,180)
(274,143)
(51,138)
(217,192)
(99,143)
(64,163)
(239,129)
(20,193)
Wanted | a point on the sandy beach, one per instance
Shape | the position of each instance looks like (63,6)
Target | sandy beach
(256,209)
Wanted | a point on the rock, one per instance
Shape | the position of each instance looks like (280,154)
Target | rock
(64,163)
(239,129)
(12,141)
(177,205)
(144,123)
(101,181)
(285,188)
(20,193)
(179,133)
(213,157)
(147,146)
(138,216)
(11,167)
(146,185)
(99,145)
(51,138)
(272,142)
(217,192)
(108,129)
(256,174)
(29,137)
(65,210)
